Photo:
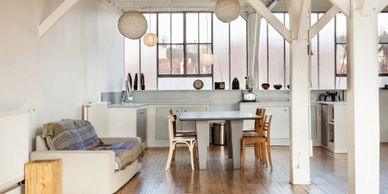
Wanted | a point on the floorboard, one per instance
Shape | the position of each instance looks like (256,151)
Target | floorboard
(328,174)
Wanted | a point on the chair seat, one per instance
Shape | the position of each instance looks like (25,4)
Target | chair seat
(186,131)
(249,130)
(251,134)
(183,139)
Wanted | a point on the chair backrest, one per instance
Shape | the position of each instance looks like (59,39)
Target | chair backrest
(259,124)
(172,113)
(171,126)
(267,125)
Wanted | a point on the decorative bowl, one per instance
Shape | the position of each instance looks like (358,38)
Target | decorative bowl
(278,86)
(265,86)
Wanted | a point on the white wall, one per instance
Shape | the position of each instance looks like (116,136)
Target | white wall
(78,58)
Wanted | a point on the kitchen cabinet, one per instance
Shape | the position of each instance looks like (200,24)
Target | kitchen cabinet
(280,119)
(127,122)
(162,123)
(332,125)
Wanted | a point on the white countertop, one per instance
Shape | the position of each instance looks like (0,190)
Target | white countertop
(127,105)
(339,103)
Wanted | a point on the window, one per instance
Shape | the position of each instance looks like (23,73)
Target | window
(174,64)
(183,39)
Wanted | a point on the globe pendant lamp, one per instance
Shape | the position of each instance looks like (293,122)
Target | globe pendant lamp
(132,24)
(227,10)
(150,39)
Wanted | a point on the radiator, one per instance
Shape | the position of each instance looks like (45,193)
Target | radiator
(14,147)
(97,114)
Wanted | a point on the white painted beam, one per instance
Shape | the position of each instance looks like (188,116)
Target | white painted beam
(299,93)
(344,6)
(270,17)
(323,21)
(371,6)
(54,17)
(363,104)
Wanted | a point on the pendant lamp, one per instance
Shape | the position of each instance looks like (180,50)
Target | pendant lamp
(132,24)
(227,10)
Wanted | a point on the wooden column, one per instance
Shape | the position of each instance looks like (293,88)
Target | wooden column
(43,177)
(299,94)
(363,103)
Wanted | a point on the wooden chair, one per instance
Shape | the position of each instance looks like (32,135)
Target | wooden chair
(189,141)
(258,123)
(264,139)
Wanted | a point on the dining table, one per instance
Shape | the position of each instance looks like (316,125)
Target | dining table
(233,127)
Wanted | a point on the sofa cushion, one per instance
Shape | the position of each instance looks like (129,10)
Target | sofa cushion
(126,152)
(70,135)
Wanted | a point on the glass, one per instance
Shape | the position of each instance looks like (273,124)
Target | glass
(263,62)
(192,27)
(221,52)
(327,56)
(276,55)
(177,60)
(238,66)
(183,83)
(164,31)
(340,28)
(164,60)
(205,29)
(177,27)
(383,58)
(341,59)
(205,49)
(148,58)
(192,59)
(383,27)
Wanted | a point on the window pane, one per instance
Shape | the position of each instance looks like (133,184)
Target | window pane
(341,59)
(164,59)
(185,83)
(314,56)
(276,55)
(192,59)
(327,56)
(341,28)
(238,50)
(177,60)
(383,58)
(205,27)
(221,52)
(383,27)
(177,28)
(131,56)
(263,63)
(164,28)
(205,49)
(192,27)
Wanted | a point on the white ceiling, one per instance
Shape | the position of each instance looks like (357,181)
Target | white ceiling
(200,5)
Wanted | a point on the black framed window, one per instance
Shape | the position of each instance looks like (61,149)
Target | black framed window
(183,39)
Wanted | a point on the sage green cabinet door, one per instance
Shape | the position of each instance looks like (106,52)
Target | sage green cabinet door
(190,125)
(161,124)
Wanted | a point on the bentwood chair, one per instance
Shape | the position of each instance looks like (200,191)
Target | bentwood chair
(181,132)
(264,139)
(189,141)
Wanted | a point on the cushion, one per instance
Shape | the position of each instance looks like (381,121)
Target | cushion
(126,152)
(70,135)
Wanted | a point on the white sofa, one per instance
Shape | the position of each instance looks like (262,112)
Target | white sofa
(88,172)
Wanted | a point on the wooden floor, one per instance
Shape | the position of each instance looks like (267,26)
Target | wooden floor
(328,174)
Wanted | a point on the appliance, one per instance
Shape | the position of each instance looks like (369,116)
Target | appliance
(249,97)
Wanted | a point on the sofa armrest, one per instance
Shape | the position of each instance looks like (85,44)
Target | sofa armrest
(83,171)
(113,140)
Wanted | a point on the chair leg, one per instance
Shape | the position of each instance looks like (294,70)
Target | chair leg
(269,154)
(173,155)
(257,149)
(192,154)
(242,153)
(170,155)
(264,154)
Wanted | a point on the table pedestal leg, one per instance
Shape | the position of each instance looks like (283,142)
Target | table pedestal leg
(203,142)
(236,134)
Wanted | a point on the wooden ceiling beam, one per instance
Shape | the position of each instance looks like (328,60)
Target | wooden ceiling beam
(271,18)
(323,21)
(54,17)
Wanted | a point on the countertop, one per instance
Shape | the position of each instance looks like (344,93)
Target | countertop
(340,103)
(127,105)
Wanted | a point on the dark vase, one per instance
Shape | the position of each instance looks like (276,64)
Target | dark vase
(135,82)
(143,87)
(235,84)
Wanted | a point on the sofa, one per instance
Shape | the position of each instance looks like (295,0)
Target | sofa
(89,164)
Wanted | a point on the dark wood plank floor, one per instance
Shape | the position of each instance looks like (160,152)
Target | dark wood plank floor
(328,174)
